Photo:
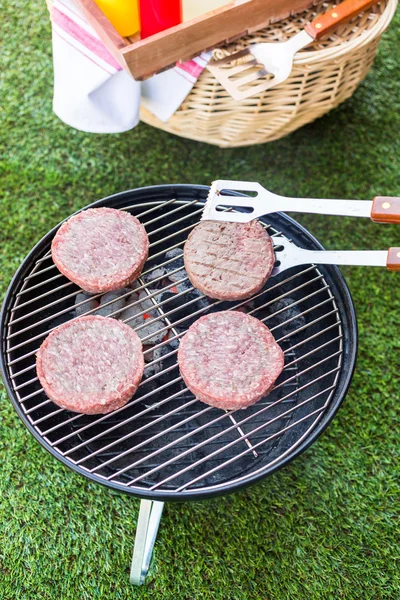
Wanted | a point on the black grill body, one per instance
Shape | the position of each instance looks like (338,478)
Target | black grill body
(166,445)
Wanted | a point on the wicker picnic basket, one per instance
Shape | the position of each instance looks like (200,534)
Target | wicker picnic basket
(324,75)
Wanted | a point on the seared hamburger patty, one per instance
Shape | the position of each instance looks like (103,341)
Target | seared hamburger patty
(101,249)
(229,359)
(229,261)
(90,365)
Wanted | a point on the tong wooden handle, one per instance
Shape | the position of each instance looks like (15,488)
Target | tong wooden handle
(393,259)
(385,209)
(340,14)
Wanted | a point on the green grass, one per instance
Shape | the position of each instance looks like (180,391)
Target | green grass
(327,525)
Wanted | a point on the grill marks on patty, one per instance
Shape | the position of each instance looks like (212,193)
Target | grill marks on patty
(229,261)
(227,359)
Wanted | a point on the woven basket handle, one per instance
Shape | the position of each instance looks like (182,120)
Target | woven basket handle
(340,14)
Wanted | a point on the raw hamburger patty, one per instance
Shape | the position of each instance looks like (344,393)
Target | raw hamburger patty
(91,365)
(101,249)
(229,261)
(229,359)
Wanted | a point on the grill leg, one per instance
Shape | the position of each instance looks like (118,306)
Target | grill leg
(146,533)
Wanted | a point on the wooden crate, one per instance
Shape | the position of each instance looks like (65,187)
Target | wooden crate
(143,58)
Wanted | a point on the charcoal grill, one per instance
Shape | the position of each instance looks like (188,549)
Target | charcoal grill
(164,444)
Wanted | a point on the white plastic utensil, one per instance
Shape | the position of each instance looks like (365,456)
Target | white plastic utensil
(382,209)
(289,255)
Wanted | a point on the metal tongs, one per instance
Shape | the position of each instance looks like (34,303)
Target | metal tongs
(270,64)
(382,209)
(289,255)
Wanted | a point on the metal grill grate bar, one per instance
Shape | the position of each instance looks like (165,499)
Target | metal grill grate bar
(171,212)
(149,210)
(100,419)
(285,337)
(168,237)
(194,448)
(177,441)
(317,349)
(167,421)
(89,312)
(180,208)
(243,303)
(288,279)
(49,293)
(133,433)
(257,445)
(169,225)
(37,285)
(155,391)
(302,314)
(33,275)
(115,412)
(77,432)
(190,450)
(193,465)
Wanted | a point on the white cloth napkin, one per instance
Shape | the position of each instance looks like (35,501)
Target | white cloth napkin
(163,94)
(91,90)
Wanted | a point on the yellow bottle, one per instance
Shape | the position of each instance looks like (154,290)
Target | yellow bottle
(123,14)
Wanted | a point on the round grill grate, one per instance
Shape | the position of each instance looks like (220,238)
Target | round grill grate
(165,444)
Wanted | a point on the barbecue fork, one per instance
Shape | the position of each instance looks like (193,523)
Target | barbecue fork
(382,209)
(277,57)
(289,255)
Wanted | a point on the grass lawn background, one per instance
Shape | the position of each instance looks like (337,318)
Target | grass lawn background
(327,525)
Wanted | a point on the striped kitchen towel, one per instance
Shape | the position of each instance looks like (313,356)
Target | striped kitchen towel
(91,90)
(163,94)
